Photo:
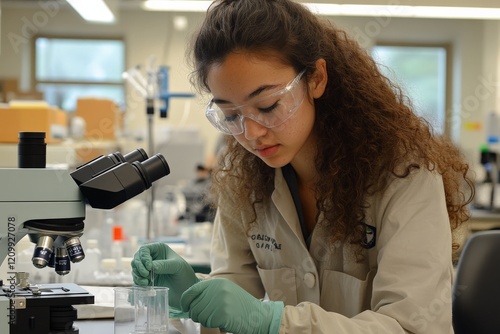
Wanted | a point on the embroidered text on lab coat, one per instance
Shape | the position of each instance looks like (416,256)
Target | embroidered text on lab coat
(265,242)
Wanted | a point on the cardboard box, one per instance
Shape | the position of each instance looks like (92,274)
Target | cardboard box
(27,96)
(9,87)
(35,117)
(101,117)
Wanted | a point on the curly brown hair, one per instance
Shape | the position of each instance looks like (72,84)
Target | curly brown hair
(365,124)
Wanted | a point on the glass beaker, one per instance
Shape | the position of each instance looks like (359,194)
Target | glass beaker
(141,310)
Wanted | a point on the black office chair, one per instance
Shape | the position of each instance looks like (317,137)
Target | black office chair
(476,291)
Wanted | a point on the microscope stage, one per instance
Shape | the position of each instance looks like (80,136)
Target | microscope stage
(53,294)
(45,308)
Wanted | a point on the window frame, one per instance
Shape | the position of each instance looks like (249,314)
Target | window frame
(35,81)
(448,114)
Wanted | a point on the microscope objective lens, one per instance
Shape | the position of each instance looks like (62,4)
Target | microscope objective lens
(43,251)
(75,249)
(62,263)
(52,260)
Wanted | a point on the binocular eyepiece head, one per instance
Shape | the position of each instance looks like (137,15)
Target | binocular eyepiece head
(123,181)
(102,163)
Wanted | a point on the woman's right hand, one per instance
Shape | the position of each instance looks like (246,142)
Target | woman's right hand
(169,269)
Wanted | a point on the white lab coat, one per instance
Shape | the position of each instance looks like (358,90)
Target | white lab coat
(403,285)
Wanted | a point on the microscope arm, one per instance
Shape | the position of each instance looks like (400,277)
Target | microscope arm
(38,202)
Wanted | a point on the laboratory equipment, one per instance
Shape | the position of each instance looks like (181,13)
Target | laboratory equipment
(93,257)
(141,310)
(153,86)
(48,205)
(117,246)
(488,190)
(475,288)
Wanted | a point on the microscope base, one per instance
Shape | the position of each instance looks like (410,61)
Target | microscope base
(50,312)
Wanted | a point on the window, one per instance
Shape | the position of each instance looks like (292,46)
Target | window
(421,71)
(68,68)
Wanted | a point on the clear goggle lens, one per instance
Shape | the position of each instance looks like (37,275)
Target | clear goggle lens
(269,111)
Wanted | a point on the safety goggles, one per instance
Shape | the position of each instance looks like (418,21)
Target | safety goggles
(269,111)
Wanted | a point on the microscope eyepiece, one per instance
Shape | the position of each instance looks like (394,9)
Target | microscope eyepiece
(136,155)
(32,150)
(153,169)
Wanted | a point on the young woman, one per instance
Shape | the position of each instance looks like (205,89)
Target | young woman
(335,201)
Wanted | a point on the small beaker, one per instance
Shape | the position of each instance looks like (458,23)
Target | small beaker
(141,310)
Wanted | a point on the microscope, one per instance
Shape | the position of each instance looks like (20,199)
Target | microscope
(48,205)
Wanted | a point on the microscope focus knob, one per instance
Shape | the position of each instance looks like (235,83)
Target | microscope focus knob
(22,279)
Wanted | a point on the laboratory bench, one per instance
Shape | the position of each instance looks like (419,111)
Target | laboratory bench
(480,220)
(95,326)
(97,318)
(106,326)
(483,220)
(103,326)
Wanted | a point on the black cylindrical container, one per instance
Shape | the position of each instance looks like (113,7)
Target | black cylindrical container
(32,150)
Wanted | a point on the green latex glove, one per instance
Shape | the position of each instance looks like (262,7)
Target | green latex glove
(220,303)
(169,270)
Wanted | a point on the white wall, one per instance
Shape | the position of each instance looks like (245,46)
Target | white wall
(474,45)
(146,35)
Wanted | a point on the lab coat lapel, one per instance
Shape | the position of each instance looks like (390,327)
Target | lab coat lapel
(282,199)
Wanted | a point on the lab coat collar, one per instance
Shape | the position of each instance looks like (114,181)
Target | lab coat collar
(282,199)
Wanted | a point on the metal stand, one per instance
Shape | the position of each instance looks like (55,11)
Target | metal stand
(150,195)
(155,86)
